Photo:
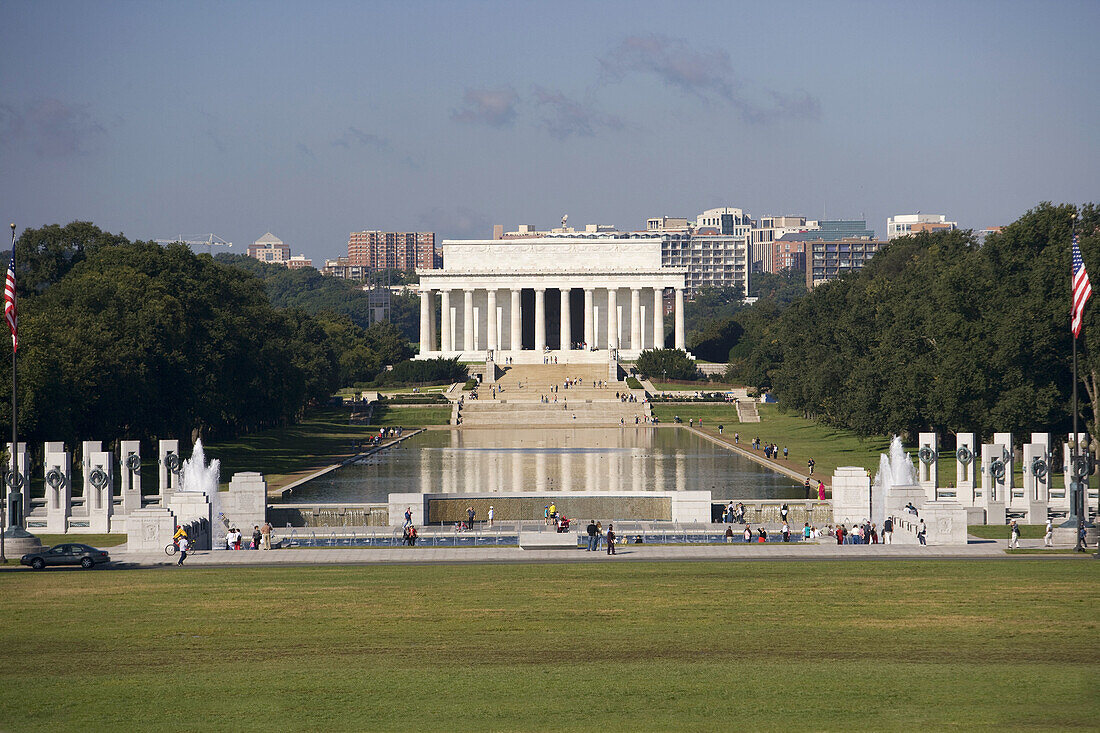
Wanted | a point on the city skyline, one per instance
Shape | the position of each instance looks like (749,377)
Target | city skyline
(315,121)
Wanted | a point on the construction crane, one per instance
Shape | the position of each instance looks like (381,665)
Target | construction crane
(210,240)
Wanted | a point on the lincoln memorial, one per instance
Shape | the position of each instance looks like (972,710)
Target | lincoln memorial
(572,298)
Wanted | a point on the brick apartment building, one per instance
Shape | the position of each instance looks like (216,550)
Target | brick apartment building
(377,250)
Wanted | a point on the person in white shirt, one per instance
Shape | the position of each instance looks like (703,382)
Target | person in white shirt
(184,545)
(1048,538)
(230,539)
(490,515)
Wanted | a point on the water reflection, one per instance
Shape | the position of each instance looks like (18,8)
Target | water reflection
(577,459)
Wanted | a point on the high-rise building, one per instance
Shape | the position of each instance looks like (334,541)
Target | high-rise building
(269,248)
(905,224)
(376,250)
(726,220)
(785,255)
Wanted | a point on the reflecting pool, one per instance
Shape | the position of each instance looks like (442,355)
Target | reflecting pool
(529,459)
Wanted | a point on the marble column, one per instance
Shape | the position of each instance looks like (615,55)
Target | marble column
(566,326)
(681,342)
(658,318)
(447,337)
(612,318)
(517,321)
(589,329)
(425,321)
(491,313)
(636,318)
(540,319)
(468,320)
(433,340)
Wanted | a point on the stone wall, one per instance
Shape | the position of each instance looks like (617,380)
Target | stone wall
(653,508)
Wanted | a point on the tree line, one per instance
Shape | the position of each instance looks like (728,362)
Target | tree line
(121,339)
(938,332)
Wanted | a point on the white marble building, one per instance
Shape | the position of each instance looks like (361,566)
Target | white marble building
(509,297)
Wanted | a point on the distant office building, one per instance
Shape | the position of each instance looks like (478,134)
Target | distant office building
(342,268)
(837,246)
(784,255)
(768,230)
(726,220)
(528,231)
(666,223)
(906,224)
(376,250)
(712,260)
(297,262)
(983,233)
(269,248)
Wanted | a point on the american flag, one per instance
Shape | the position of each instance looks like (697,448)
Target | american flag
(9,303)
(1082,288)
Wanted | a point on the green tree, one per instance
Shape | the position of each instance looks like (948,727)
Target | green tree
(666,364)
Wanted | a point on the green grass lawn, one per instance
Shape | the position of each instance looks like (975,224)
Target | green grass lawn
(1000,531)
(102,541)
(648,646)
(323,438)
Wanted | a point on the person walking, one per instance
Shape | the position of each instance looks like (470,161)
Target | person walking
(783,510)
(729,535)
(591,536)
(786,532)
(408,516)
(490,515)
(256,537)
(821,491)
(184,546)
(922,532)
(888,531)
(747,534)
(599,534)
(1013,535)
(265,533)
(809,494)
(546,514)
(1048,536)
(611,539)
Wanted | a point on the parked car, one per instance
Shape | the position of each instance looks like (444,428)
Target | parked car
(67,554)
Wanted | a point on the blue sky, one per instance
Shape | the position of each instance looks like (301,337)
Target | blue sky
(315,119)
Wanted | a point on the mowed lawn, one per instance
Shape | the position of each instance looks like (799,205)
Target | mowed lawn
(656,646)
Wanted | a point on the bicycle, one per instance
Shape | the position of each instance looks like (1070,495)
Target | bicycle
(172,549)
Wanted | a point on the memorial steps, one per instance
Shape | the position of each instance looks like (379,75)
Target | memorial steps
(521,389)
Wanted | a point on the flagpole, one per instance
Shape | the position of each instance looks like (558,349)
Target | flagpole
(1078,492)
(4,519)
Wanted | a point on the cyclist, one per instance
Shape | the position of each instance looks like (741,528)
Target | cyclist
(181,533)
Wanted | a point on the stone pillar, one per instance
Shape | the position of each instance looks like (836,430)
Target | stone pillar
(491,318)
(87,448)
(425,321)
(992,498)
(964,470)
(129,472)
(1063,499)
(612,318)
(433,337)
(446,338)
(99,489)
(658,318)
(636,318)
(19,496)
(517,321)
(169,462)
(1036,480)
(468,321)
(540,319)
(566,330)
(589,326)
(927,464)
(1012,496)
(681,342)
(58,467)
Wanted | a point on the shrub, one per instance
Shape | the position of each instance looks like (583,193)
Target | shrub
(633,383)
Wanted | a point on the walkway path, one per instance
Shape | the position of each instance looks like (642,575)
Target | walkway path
(627,553)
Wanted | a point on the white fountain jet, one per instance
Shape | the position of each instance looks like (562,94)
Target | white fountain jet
(895,483)
(198,475)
